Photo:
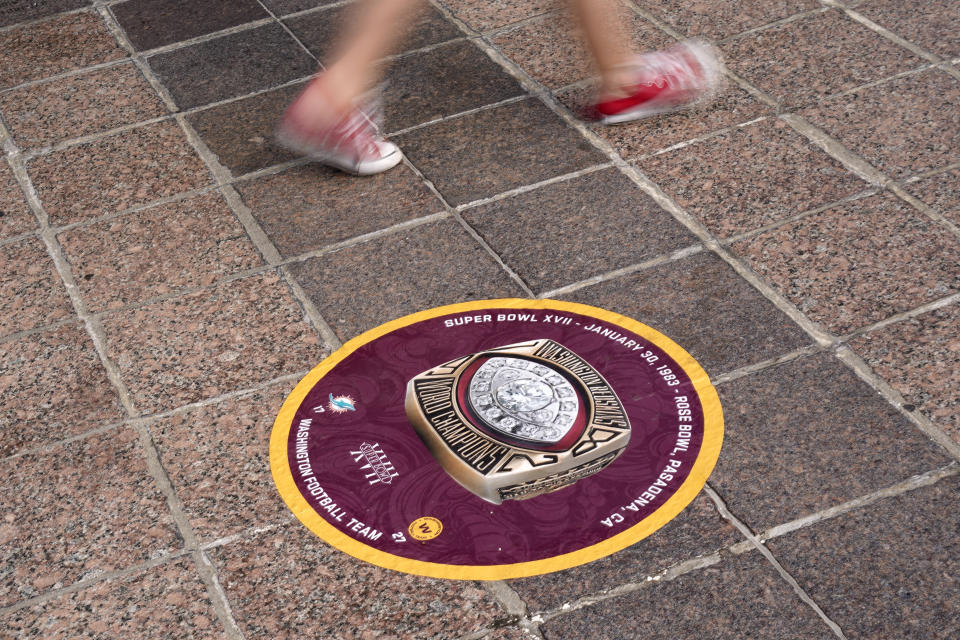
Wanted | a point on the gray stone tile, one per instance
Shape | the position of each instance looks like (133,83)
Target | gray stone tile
(888,570)
(154,23)
(703,305)
(742,597)
(15,11)
(491,151)
(363,286)
(573,230)
(808,435)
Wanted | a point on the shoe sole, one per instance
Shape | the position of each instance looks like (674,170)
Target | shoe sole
(291,143)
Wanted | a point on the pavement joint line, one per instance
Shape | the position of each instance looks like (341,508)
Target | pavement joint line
(458,115)
(35,21)
(290,33)
(513,604)
(46,150)
(20,237)
(304,12)
(218,595)
(865,372)
(272,170)
(900,317)
(113,25)
(930,174)
(311,311)
(206,37)
(247,534)
(149,419)
(803,15)
(43,328)
(756,367)
(365,238)
(783,222)
(502,30)
(890,35)
(102,576)
(70,73)
(654,20)
(701,138)
(924,208)
(911,484)
(922,68)
(666,575)
(837,150)
(614,274)
(510,193)
(762,548)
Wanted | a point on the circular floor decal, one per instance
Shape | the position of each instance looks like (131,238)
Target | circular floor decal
(496,439)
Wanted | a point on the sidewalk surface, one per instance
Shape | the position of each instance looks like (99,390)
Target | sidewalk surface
(167,276)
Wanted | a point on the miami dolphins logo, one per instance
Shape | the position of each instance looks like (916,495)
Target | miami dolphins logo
(340,404)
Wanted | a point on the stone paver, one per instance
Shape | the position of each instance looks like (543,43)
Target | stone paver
(165,279)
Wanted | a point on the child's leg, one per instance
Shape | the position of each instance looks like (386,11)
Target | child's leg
(603,23)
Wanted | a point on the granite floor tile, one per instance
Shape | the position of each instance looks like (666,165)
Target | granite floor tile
(887,570)
(636,139)
(166,601)
(857,263)
(742,597)
(491,151)
(231,66)
(750,177)
(53,46)
(436,83)
(804,60)
(942,193)
(116,173)
(240,133)
(204,344)
(934,25)
(697,531)
(906,126)
(425,267)
(31,291)
(319,31)
(157,251)
(79,105)
(484,15)
(920,358)
(288,584)
(312,206)
(52,379)
(573,230)
(218,462)
(719,19)
(550,47)
(16,11)
(154,23)
(15,215)
(284,7)
(810,435)
(108,514)
(703,305)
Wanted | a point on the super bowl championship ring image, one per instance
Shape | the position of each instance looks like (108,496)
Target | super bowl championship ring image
(519,420)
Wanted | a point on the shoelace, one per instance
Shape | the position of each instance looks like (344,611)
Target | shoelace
(353,134)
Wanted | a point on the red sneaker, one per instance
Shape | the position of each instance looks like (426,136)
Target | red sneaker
(678,78)
(352,144)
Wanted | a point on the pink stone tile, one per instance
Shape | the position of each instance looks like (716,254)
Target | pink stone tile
(551,50)
(287,584)
(903,127)
(168,601)
(857,263)
(818,55)
(932,24)
(118,172)
(217,459)
(79,105)
(53,385)
(716,19)
(78,509)
(484,15)
(750,177)
(636,139)
(207,343)
(15,215)
(53,46)
(156,251)
(920,358)
(942,192)
(31,292)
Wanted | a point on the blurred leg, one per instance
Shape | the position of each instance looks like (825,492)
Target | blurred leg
(604,26)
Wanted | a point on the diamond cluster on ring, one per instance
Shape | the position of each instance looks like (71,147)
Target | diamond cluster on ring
(523,399)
